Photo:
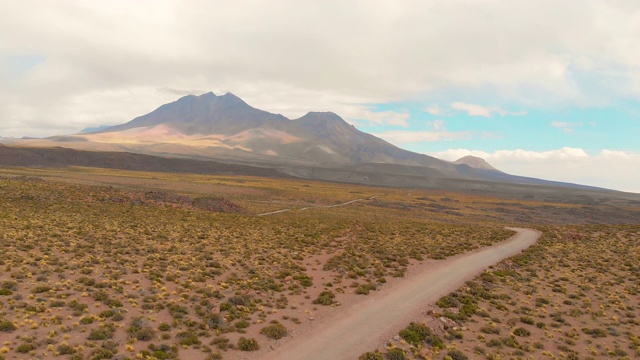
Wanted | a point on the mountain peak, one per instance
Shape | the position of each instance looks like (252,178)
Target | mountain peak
(231,98)
(322,117)
(475,162)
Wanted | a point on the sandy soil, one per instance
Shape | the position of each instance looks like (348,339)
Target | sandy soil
(347,331)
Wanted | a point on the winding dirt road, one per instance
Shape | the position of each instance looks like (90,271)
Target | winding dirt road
(366,325)
(316,207)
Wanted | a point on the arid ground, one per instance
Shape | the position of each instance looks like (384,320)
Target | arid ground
(100,264)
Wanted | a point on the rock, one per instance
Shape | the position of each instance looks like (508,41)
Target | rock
(425,353)
(396,338)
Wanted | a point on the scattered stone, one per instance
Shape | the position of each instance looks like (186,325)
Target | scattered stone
(425,353)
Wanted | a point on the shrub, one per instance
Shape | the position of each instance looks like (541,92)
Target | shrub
(86,320)
(250,344)
(242,324)
(415,334)
(164,327)
(447,302)
(274,331)
(364,289)
(118,316)
(40,289)
(489,330)
(163,352)
(371,356)
(25,348)
(9,284)
(64,349)
(145,333)
(457,355)
(101,353)
(106,313)
(395,354)
(596,333)
(103,333)
(325,298)
(521,332)
(188,338)
(7,326)
(527,320)
(221,342)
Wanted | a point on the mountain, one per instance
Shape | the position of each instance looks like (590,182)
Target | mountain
(475,162)
(205,115)
(226,127)
(318,145)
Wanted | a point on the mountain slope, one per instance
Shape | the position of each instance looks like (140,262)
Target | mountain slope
(227,127)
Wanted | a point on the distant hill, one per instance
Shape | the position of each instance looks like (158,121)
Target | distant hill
(90,130)
(475,162)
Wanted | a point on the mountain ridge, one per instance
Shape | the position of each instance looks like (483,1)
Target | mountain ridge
(315,138)
(318,145)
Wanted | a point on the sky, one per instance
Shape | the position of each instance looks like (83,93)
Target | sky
(547,89)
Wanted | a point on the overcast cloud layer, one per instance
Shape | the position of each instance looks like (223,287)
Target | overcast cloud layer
(66,65)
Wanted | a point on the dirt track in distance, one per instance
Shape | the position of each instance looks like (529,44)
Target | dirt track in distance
(366,325)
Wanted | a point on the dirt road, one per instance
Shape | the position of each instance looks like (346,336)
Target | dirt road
(367,325)
(317,207)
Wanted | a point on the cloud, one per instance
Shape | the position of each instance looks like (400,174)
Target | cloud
(567,127)
(404,136)
(439,133)
(612,169)
(437,110)
(357,113)
(483,111)
(96,58)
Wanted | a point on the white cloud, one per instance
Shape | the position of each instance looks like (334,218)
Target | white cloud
(483,111)
(612,169)
(439,133)
(438,125)
(357,113)
(567,127)
(405,136)
(104,61)
(437,110)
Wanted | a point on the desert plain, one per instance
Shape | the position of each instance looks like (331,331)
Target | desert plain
(116,264)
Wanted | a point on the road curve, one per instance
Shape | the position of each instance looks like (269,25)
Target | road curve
(371,323)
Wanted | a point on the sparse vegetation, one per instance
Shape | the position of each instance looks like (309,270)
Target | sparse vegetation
(568,296)
(274,331)
(245,344)
(165,262)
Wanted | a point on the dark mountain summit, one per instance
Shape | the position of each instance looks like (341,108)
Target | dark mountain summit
(205,114)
